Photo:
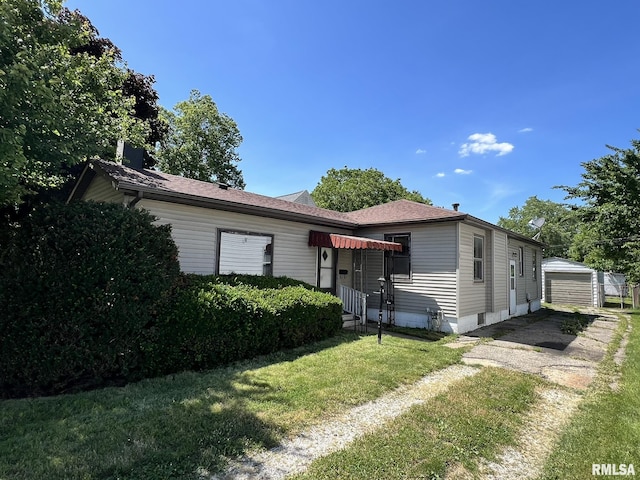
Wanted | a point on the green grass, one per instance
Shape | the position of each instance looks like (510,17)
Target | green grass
(606,428)
(574,324)
(447,434)
(175,426)
(614,302)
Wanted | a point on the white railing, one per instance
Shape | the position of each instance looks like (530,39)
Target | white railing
(354,302)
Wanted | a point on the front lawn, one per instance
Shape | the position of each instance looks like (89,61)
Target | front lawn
(441,438)
(175,426)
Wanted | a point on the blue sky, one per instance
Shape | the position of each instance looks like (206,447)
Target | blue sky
(482,103)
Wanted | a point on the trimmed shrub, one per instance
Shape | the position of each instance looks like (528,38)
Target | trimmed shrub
(79,285)
(259,281)
(211,323)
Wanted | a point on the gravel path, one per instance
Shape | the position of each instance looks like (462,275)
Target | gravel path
(542,426)
(295,455)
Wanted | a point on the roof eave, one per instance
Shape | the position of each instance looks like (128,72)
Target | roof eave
(230,206)
(509,233)
(456,218)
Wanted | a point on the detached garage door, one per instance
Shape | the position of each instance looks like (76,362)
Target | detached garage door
(573,288)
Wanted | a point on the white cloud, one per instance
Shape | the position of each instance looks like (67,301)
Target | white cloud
(460,171)
(440,175)
(420,151)
(525,130)
(482,143)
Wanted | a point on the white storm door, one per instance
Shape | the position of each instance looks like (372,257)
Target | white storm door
(512,287)
(326,269)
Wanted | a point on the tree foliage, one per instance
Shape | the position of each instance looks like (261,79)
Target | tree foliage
(610,192)
(201,142)
(557,233)
(61,96)
(349,189)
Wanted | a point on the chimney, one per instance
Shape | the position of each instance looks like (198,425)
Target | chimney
(129,156)
(456,206)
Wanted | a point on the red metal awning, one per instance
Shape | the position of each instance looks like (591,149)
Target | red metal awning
(335,240)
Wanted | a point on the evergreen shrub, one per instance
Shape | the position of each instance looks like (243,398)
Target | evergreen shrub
(80,285)
(216,320)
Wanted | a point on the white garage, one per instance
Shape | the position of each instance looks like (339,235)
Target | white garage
(568,282)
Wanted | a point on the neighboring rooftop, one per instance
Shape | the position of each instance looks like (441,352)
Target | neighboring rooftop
(303,197)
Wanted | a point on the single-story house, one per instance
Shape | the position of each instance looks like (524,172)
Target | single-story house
(441,267)
(568,282)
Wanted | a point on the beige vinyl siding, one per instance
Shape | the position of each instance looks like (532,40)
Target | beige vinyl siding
(472,294)
(500,272)
(101,190)
(532,286)
(433,269)
(195,232)
(526,284)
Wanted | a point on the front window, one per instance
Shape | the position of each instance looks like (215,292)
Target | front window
(245,253)
(478,258)
(397,265)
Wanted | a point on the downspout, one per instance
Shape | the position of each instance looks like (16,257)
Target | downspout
(132,203)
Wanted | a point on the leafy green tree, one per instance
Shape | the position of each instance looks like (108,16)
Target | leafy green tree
(610,211)
(58,104)
(350,189)
(557,233)
(137,87)
(201,142)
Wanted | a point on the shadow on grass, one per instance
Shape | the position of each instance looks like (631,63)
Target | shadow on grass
(179,426)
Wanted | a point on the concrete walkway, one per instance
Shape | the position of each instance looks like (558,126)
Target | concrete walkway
(535,344)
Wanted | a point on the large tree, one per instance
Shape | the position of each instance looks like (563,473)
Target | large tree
(201,142)
(610,210)
(557,233)
(350,189)
(59,104)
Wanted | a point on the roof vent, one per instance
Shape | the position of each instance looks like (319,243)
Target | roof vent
(223,186)
(456,206)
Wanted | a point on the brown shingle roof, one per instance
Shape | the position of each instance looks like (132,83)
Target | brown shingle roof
(169,187)
(403,211)
(163,184)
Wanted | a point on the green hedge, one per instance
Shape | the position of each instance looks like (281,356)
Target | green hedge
(91,295)
(259,281)
(216,320)
(79,284)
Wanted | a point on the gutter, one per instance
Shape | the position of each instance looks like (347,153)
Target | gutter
(193,200)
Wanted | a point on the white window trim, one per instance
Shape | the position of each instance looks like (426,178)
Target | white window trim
(480,259)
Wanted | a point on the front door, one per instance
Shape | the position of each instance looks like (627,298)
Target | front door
(327,269)
(512,287)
